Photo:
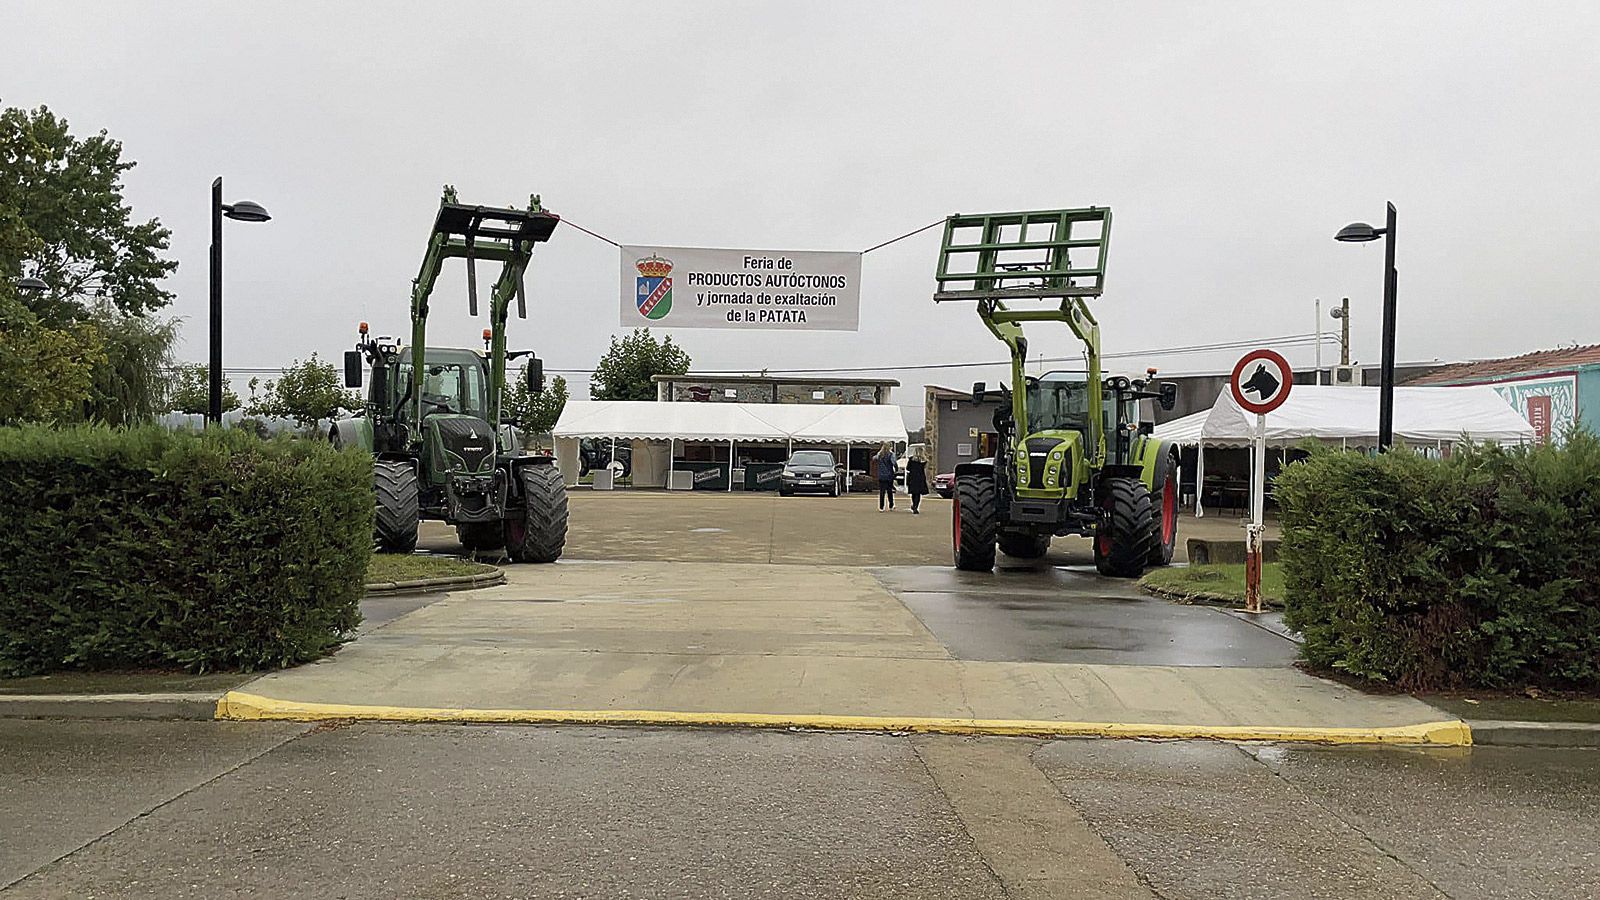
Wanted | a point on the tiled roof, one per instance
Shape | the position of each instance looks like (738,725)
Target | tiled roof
(1527,363)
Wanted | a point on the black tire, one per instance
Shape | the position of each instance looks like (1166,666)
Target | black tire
(974,523)
(538,532)
(784,493)
(1164,503)
(477,536)
(1024,545)
(1123,540)
(396,514)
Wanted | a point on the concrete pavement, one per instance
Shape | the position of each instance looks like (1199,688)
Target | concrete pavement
(220,810)
(724,640)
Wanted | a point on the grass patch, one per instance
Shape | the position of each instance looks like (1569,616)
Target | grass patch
(1220,581)
(412,567)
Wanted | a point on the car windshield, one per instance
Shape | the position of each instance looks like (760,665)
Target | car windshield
(817,458)
(1058,401)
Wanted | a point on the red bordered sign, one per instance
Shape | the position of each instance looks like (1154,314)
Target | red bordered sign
(1261,381)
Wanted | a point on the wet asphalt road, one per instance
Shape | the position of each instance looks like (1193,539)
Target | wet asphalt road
(199,809)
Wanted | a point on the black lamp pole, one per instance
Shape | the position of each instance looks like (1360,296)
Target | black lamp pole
(243,211)
(214,409)
(1361,232)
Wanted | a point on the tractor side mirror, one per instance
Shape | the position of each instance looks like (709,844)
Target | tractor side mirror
(352,368)
(979,389)
(535,371)
(1169,395)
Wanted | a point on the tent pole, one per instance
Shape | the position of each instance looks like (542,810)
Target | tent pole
(730,465)
(1199,479)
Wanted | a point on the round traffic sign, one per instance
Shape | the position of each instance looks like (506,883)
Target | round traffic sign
(1261,381)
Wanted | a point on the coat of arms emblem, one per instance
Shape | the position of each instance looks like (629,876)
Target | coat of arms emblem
(654,293)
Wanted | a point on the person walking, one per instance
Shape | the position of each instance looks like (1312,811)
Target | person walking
(885,467)
(916,478)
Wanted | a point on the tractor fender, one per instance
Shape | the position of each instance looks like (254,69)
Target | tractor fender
(354,433)
(1154,459)
(980,467)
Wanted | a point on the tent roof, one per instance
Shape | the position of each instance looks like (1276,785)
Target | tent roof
(811,422)
(1350,414)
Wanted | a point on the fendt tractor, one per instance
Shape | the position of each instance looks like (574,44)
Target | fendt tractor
(1073,457)
(433,416)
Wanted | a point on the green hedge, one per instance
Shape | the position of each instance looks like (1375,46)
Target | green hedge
(153,548)
(1478,570)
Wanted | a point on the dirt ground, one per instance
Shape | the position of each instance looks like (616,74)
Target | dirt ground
(766,528)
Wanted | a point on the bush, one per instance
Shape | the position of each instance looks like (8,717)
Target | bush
(1479,570)
(156,548)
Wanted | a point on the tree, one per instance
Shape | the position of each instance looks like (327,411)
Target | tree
(190,390)
(130,385)
(625,370)
(45,373)
(306,392)
(535,413)
(62,210)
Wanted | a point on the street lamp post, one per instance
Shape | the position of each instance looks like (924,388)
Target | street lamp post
(1361,232)
(243,211)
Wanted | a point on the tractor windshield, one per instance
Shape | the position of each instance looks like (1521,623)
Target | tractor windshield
(451,387)
(1058,401)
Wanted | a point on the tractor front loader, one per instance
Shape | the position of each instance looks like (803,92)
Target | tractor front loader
(1074,457)
(433,416)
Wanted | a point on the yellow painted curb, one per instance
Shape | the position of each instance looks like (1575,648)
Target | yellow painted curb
(239,706)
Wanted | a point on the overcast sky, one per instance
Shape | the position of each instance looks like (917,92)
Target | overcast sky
(1230,139)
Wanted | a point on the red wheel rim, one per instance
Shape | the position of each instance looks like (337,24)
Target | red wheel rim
(1169,510)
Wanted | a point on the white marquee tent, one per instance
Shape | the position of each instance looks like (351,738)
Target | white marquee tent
(811,423)
(1428,416)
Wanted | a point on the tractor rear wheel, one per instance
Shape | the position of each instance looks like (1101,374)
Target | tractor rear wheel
(1024,544)
(477,536)
(1164,522)
(1124,538)
(396,514)
(974,523)
(538,532)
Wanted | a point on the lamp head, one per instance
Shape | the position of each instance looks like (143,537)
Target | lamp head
(1358,233)
(246,211)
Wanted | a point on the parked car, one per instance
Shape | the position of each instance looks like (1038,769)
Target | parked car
(945,484)
(812,472)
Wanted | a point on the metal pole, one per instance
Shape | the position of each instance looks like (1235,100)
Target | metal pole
(1252,553)
(1386,385)
(1344,332)
(1319,341)
(214,406)
(730,465)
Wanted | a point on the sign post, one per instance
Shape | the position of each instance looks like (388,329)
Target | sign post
(1266,375)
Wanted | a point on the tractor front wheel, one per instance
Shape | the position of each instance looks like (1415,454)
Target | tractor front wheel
(1164,522)
(538,532)
(1024,544)
(396,515)
(974,523)
(1124,539)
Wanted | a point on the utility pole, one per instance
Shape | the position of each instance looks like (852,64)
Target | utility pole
(1318,317)
(1344,332)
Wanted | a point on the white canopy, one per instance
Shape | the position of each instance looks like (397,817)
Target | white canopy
(1425,415)
(804,422)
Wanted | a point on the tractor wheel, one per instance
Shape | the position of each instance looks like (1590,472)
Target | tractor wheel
(1123,541)
(1024,544)
(395,518)
(477,536)
(974,522)
(537,532)
(1164,523)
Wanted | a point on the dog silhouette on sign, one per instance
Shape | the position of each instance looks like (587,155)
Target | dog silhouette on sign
(1262,383)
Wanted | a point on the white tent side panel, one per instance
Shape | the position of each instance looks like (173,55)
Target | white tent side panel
(813,423)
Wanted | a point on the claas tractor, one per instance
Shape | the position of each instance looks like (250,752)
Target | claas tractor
(433,416)
(1073,456)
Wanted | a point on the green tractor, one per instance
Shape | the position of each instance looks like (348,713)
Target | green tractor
(1073,456)
(433,416)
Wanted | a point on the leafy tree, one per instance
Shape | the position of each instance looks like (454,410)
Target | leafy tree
(47,372)
(130,386)
(190,390)
(62,210)
(625,370)
(306,392)
(536,413)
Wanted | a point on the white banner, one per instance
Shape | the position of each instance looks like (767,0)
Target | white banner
(698,287)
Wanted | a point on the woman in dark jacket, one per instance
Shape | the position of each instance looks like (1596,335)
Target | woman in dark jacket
(916,479)
(885,468)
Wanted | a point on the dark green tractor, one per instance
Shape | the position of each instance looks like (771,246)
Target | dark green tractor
(433,416)
(1074,457)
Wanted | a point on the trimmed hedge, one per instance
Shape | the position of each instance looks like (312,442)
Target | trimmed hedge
(154,548)
(1478,570)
